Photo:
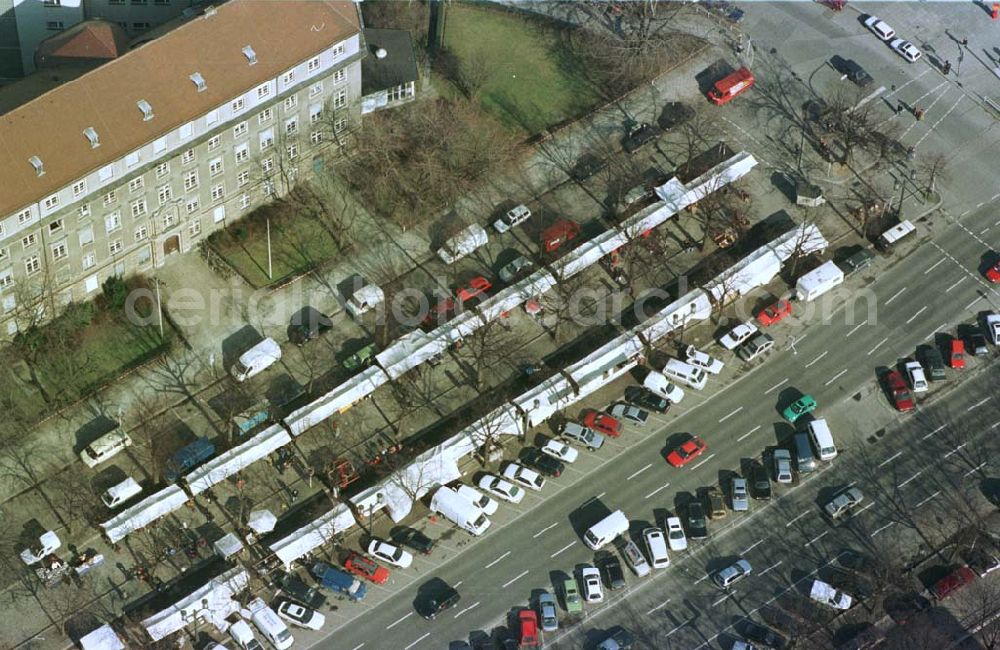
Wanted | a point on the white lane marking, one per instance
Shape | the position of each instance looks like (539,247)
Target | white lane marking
(984,230)
(704,577)
(726,417)
(817,358)
(927,499)
(563,549)
(914,316)
(459,583)
(911,478)
(514,579)
(978,404)
(721,600)
(995,424)
(660,606)
(678,627)
(752,547)
(955,284)
(662,487)
(703,462)
(876,532)
(977,468)
(358,647)
(935,265)
(472,606)
(748,433)
(877,345)
(771,389)
(870,504)
(539,533)
(817,538)
(836,377)
(392,625)
(955,450)
(933,432)
(417,641)
(856,328)
(969,306)
(639,471)
(497,560)
(600,496)
(797,518)
(895,295)
(890,459)
(773,566)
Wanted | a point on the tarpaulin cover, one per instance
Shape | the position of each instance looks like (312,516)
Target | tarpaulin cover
(337,400)
(262,521)
(314,534)
(236,459)
(212,602)
(103,638)
(144,513)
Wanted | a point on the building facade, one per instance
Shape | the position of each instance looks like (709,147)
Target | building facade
(135,161)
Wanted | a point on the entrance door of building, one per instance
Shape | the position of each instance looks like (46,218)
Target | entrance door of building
(171,245)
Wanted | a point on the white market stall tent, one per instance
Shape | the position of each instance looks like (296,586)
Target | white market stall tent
(211,602)
(236,459)
(103,638)
(337,400)
(144,513)
(314,534)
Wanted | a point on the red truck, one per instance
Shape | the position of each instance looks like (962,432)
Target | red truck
(729,87)
(558,234)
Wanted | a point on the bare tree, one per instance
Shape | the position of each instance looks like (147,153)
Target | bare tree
(486,348)
(931,168)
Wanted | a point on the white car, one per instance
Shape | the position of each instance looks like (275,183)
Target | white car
(732,339)
(478,499)
(782,465)
(880,28)
(915,373)
(513,217)
(105,447)
(698,358)
(390,554)
(591,579)
(906,49)
(675,534)
(529,478)
(501,488)
(559,449)
(635,559)
(656,546)
(993,328)
(301,616)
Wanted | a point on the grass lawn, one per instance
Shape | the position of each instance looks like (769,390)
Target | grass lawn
(528,89)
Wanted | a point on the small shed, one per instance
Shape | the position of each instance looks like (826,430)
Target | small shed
(228,545)
(808,195)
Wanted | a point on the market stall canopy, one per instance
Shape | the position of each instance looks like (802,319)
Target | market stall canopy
(262,521)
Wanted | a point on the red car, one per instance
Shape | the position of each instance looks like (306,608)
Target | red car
(774,313)
(477,286)
(952,582)
(956,358)
(900,392)
(366,568)
(439,312)
(602,423)
(687,451)
(993,273)
(528,620)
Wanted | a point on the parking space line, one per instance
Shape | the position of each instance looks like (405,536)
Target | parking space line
(890,459)
(927,499)
(877,345)
(870,504)
(773,566)
(977,468)
(969,306)
(497,560)
(417,641)
(726,417)
(660,606)
(568,546)
(358,647)
(514,579)
(856,328)
(978,404)
(710,457)
(392,625)
(771,389)
(914,316)
(472,606)
(662,487)
(704,577)
(895,295)
(955,450)
(536,535)
(933,432)
(955,284)
(638,471)
(935,265)
(817,358)
(836,377)
(876,532)
(752,547)
(797,518)
(748,433)
(817,538)
(721,600)
(911,478)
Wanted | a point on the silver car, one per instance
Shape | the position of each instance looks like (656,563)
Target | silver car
(732,574)
(511,270)
(547,612)
(782,465)
(843,503)
(755,347)
(741,499)
(580,434)
(636,560)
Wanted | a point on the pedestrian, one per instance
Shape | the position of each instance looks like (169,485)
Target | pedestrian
(899,108)
(965,42)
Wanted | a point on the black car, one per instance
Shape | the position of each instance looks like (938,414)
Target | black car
(307,325)
(697,524)
(618,638)
(674,114)
(434,597)
(852,70)
(983,558)
(903,607)
(857,261)
(542,462)
(762,635)
(760,482)
(848,582)
(413,538)
(611,567)
(639,136)
(588,165)
(293,586)
(861,563)
(647,399)
(976,343)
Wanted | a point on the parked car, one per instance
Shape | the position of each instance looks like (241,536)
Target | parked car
(803,405)
(760,482)
(308,325)
(523,476)
(774,313)
(732,574)
(906,49)
(571,597)
(547,612)
(292,585)
(656,546)
(991,323)
(501,488)
(513,217)
(560,451)
(675,534)
(993,273)
(487,505)
(762,635)
(699,359)
(105,447)
(732,339)
(618,638)
(300,615)
(902,399)
(983,557)
(527,629)
(903,607)
(544,463)
(852,70)
(739,495)
(716,503)
(636,560)
(476,287)
(757,346)
(591,579)
(434,597)
(782,465)
(697,524)
(976,344)
(645,398)
(952,582)
(367,568)
(602,423)
(686,451)
(582,435)
(880,28)
(956,354)
(413,538)
(934,363)
(389,553)
(639,136)
(629,412)
(842,504)
(611,566)
(588,165)
(915,373)
(514,269)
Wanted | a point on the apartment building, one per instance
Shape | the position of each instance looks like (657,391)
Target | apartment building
(111,173)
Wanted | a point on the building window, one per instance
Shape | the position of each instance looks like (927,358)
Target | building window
(339,76)
(141,232)
(187,130)
(132,159)
(136,184)
(159,145)
(218,192)
(86,235)
(237,105)
(267,164)
(162,3)
(111,198)
(313,64)
(215,167)
(242,153)
(194,228)
(218,213)
(164,193)
(162,170)
(338,51)
(83,211)
(191,180)
(6,281)
(240,130)
(79,189)
(140,27)
(291,102)
(316,137)
(192,205)
(169,220)
(214,142)
(55,226)
(24,216)
(400,92)
(263,91)
(113,221)
(4,252)
(139,208)
(268,188)
(315,113)
(244,201)
(339,124)
(187,157)
(89,260)
(292,126)
(316,89)
(340,99)
(54,25)
(59,251)
(32,265)
(264,116)
(51,203)
(115,247)
(139,2)
(293,151)
(212,117)
(243,178)
(52,3)
(29,240)
(288,78)
(266,139)
(144,256)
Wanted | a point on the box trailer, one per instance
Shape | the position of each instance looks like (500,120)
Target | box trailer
(814,284)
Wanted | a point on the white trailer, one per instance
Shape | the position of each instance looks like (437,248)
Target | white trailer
(814,284)
(459,510)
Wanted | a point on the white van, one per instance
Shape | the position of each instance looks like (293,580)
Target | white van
(243,636)
(105,447)
(660,385)
(256,360)
(822,439)
(270,626)
(118,494)
(463,243)
(606,530)
(889,238)
(459,511)
(365,299)
(815,283)
(685,373)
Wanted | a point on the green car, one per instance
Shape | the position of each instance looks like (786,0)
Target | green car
(361,357)
(571,594)
(798,408)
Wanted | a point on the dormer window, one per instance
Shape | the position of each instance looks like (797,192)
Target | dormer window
(91,134)
(250,54)
(36,162)
(199,81)
(147,110)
